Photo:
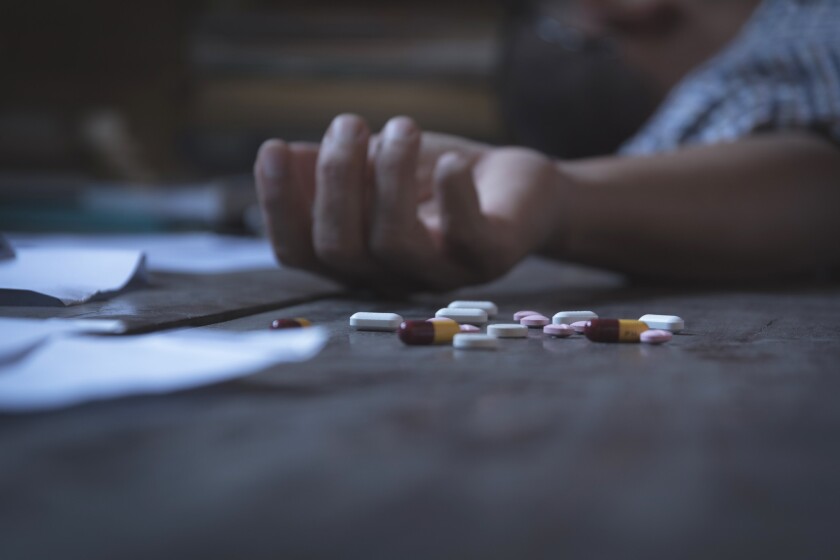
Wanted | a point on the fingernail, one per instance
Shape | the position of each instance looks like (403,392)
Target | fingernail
(398,129)
(272,160)
(451,161)
(345,129)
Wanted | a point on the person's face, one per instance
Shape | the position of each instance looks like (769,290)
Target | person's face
(630,17)
(666,38)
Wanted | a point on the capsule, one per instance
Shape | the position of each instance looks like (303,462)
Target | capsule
(296,323)
(425,333)
(615,330)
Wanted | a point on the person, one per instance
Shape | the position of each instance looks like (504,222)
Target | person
(736,176)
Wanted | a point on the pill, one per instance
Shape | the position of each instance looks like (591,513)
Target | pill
(559,331)
(656,336)
(363,321)
(470,329)
(615,330)
(441,320)
(535,321)
(470,341)
(510,330)
(579,326)
(487,306)
(569,317)
(663,322)
(519,315)
(466,315)
(425,333)
(296,323)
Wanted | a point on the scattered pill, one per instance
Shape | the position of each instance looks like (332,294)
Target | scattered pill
(663,322)
(466,315)
(569,317)
(470,329)
(487,306)
(296,323)
(535,321)
(469,341)
(519,315)
(425,333)
(579,326)
(656,336)
(511,330)
(559,331)
(441,320)
(364,321)
(615,330)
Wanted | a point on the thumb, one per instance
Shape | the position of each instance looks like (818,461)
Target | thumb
(463,226)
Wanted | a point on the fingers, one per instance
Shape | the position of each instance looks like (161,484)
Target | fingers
(395,174)
(285,205)
(339,230)
(305,160)
(396,232)
(349,209)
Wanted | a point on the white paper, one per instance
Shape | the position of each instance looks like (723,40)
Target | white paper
(69,275)
(19,336)
(196,253)
(73,369)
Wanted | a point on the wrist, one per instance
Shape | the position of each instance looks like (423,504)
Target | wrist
(565,211)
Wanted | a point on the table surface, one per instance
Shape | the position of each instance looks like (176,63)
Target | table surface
(723,443)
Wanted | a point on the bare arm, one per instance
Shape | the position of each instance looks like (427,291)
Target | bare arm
(432,212)
(767,205)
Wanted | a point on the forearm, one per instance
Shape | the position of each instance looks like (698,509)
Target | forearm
(766,205)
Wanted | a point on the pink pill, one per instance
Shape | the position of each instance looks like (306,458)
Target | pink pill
(470,329)
(656,336)
(519,315)
(580,326)
(560,331)
(534,321)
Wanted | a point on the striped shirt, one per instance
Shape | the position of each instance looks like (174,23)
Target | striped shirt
(781,73)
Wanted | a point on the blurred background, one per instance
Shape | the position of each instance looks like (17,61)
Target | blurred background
(148,115)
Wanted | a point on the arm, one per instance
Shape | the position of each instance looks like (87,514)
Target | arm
(766,205)
(419,211)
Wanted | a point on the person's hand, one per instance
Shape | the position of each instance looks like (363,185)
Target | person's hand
(404,211)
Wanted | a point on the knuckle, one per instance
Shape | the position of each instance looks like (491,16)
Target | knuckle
(339,255)
(391,248)
(334,169)
(484,262)
(391,167)
(289,258)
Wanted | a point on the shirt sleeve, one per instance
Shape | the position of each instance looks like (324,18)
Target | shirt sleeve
(781,73)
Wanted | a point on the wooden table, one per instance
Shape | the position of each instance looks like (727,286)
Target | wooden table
(723,443)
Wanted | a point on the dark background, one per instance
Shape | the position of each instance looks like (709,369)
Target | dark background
(161,90)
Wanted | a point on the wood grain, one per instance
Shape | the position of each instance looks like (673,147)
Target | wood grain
(722,443)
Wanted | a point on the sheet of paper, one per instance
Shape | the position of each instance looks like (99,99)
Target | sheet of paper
(52,276)
(20,336)
(196,253)
(72,369)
